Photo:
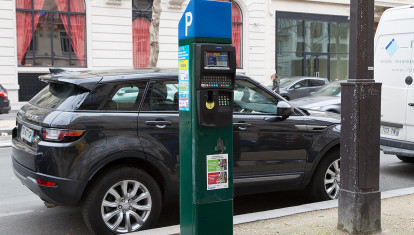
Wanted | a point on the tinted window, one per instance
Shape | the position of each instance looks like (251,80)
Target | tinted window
(248,98)
(317,82)
(94,100)
(55,95)
(164,96)
(125,97)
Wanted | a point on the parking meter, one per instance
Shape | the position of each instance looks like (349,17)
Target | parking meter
(215,68)
(207,66)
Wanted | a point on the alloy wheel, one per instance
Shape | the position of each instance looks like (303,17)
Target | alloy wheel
(332,180)
(126,206)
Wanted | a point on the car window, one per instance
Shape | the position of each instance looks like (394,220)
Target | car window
(55,96)
(248,98)
(125,97)
(284,82)
(302,84)
(332,89)
(164,96)
(315,82)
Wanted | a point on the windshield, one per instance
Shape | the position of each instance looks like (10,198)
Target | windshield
(54,95)
(332,89)
(285,82)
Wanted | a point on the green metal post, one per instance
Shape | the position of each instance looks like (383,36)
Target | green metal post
(204,151)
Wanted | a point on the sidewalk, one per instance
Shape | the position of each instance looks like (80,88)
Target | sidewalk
(397,217)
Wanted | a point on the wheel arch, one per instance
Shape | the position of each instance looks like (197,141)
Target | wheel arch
(127,159)
(332,147)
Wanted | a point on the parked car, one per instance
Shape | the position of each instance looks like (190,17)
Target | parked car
(78,143)
(4,100)
(297,87)
(327,98)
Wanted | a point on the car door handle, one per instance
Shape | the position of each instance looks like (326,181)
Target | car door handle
(159,124)
(410,104)
(242,125)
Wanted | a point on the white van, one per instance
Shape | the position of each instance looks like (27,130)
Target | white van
(394,68)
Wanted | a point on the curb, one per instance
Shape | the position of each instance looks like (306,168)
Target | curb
(271,214)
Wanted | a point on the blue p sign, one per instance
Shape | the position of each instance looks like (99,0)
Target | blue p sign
(188,21)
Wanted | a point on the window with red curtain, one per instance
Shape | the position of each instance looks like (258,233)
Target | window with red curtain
(141,42)
(51,33)
(237,29)
(141,22)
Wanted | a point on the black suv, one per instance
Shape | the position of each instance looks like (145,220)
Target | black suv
(109,141)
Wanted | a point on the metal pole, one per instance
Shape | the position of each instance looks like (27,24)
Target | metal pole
(359,209)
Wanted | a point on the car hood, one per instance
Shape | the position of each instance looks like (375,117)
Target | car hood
(316,101)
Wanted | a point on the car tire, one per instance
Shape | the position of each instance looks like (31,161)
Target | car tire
(326,179)
(406,159)
(124,194)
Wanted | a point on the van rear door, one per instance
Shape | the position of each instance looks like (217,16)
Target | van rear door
(393,64)
(410,96)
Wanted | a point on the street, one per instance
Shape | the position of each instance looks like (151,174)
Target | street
(22,212)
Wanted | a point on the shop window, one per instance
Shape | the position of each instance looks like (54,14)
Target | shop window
(44,28)
(141,22)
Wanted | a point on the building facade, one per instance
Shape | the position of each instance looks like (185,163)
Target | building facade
(292,37)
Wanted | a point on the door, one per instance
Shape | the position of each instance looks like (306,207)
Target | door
(158,124)
(393,67)
(299,89)
(316,65)
(410,97)
(265,145)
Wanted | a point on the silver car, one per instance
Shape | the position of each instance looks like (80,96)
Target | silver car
(327,98)
(297,87)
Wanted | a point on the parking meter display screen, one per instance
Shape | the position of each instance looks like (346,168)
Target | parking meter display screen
(217,60)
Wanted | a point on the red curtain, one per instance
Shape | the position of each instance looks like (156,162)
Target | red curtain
(237,32)
(24,25)
(141,42)
(77,26)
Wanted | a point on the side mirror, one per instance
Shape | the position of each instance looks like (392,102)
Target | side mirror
(297,86)
(284,109)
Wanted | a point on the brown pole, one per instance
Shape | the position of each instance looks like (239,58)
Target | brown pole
(359,209)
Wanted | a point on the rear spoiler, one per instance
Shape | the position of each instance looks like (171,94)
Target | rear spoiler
(58,75)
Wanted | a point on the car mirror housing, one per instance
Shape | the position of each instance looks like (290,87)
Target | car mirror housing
(284,109)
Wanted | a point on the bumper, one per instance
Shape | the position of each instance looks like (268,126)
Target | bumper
(66,192)
(5,109)
(397,147)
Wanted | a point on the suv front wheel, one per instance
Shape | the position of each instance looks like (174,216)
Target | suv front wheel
(326,180)
(122,201)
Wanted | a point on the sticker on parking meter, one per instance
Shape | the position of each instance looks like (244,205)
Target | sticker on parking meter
(183,79)
(217,171)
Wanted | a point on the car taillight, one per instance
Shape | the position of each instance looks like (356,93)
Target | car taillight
(4,94)
(58,134)
(46,183)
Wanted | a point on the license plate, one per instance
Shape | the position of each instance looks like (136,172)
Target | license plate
(386,130)
(27,134)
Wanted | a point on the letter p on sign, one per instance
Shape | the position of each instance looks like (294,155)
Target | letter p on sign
(188,21)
